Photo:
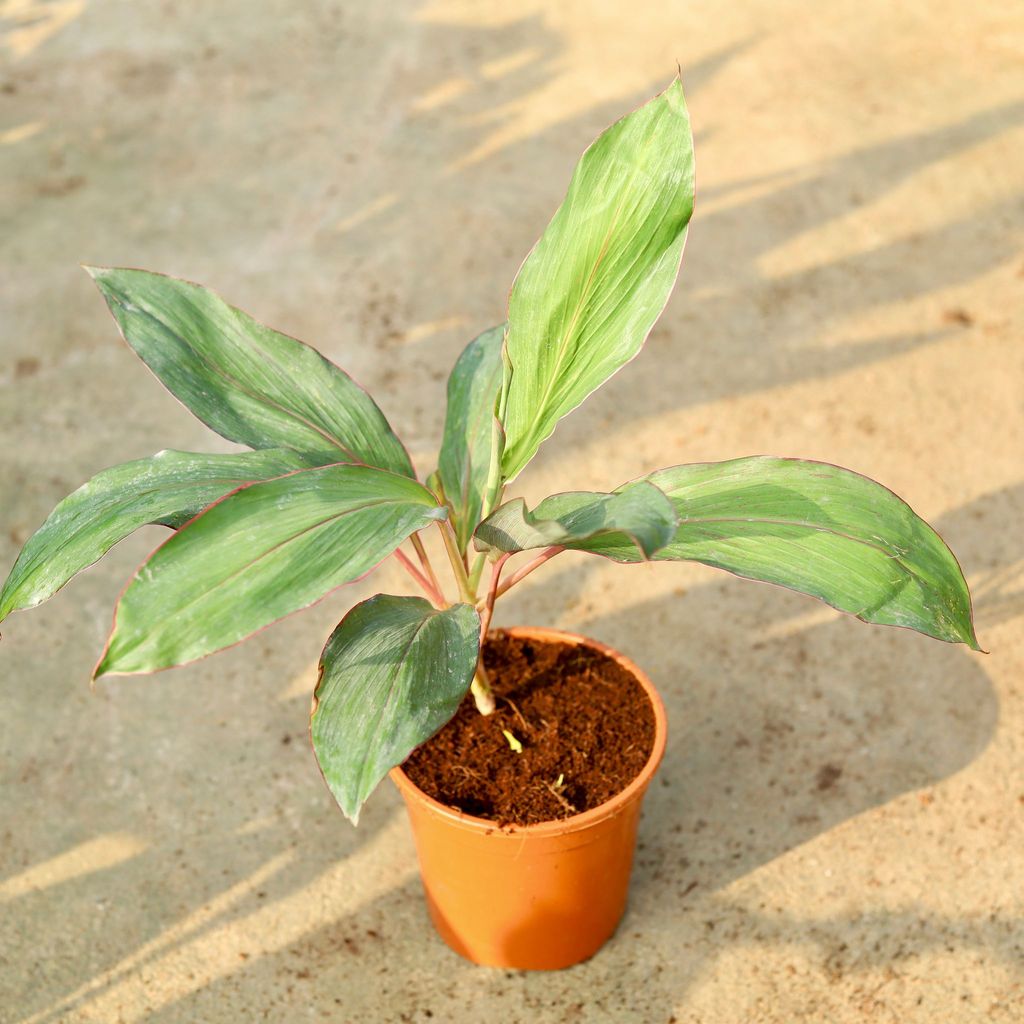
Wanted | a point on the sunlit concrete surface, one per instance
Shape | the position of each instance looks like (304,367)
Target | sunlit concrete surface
(838,830)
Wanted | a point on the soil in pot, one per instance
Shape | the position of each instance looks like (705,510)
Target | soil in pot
(585,724)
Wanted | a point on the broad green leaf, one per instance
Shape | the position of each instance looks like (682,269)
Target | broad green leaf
(591,289)
(259,554)
(639,511)
(242,379)
(167,489)
(818,529)
(472,435)
(392,673)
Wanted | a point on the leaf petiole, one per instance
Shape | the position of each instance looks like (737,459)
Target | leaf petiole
(425,562)
(521,574)
(476,571)
(451,546)
(434,593)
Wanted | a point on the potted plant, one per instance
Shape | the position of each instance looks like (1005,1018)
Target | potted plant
(328,491)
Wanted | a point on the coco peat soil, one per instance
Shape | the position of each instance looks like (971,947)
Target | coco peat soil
(585,724)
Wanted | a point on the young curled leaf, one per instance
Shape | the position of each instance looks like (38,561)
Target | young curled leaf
(639,512)
(472,435)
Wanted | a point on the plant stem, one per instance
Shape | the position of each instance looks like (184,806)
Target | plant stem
(425,562)
(492,593)
(434,593)
(451,546)
(477,571)
(483,695)
(525,571)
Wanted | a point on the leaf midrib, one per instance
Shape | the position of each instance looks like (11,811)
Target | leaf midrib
(585,295)
(33,566)
(587,287)
(898,559)
(281,544)
(255,396)
(392,686)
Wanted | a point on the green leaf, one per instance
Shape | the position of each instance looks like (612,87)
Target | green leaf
(639,511)
(472,435)
(245,381)
(167,489)
(818,529)
(591,289)
(259,554)
(392,673)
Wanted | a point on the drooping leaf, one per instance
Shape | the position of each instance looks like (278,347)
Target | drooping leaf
(262,552)
(591,289)
(167,489)
(818,529)
(249,383)
(472,435)
(392,673)
(639,513)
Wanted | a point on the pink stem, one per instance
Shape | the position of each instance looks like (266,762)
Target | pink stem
(492,593)
(425,562)
(435,596)
(521,574)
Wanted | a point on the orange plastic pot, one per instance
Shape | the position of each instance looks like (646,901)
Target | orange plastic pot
(535,897)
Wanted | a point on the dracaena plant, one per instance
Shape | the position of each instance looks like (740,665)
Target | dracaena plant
(328,490)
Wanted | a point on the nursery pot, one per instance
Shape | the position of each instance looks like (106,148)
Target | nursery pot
(532,897)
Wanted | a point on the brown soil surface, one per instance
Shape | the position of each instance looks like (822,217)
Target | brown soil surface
(585,725)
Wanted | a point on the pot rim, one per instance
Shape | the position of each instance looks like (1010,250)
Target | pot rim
(576,822)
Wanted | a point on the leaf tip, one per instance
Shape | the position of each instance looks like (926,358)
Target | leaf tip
(966,634)
(106,666)
(98,274)
(101,278)
(674,93)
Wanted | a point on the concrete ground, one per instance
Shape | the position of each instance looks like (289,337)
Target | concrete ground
(837,833)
